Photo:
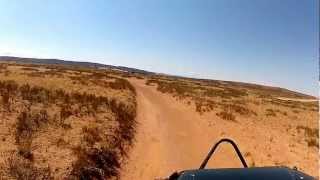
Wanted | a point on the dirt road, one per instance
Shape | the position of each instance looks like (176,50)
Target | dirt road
(169,137)
(172,136)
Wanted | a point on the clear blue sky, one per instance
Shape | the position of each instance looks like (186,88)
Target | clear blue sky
(272,42)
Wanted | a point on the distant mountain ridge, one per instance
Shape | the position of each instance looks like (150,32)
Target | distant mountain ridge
(71,63)
(143,72)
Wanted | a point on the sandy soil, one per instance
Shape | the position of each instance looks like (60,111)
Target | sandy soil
(299,100)
(169,137)
(56,135)
(172,136)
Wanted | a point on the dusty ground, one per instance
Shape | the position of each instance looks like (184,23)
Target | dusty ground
(172,136)
(177,124)
(60,122)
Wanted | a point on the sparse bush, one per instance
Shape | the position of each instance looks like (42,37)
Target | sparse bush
(226,116)
(6,73)
(65,112)
(91,135)
(149,82)
(95,163)
(3,66)
(81,79)
(61,142)
(247,154)
(27,123)
(270,112)
(311,135)
(198,91)
(66,126)
(253,163)
(225,93)
(92,163)
(295,105)
(295,111)
(100,75)
(8,90)
(24,133)
(312,142)
(6,100)
(199,107)
(22,169)
(35,94)
(204,105)
(29,69)
(309,132)
(122,84)
(238,109)
(139,77)
(52,72)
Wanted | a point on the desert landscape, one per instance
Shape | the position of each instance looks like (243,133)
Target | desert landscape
(64,123)
(180,119)
(88,121)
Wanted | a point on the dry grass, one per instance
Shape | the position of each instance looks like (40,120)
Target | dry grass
(27,124)
(311,135)
(78,123)
(22,169)
(95,163)
(268,119)
(100,125)
(239,98)
(270,112)
(206,98)
(227,116)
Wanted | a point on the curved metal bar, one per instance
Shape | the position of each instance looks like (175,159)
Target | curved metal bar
(204,163)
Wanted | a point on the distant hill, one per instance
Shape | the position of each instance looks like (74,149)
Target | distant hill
(273,90)
(71,63)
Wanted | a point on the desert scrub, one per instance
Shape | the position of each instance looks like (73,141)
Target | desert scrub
(295,105)
(271,112)
(20,168)
(227,116)
(27,124)
(94,163)
(240,109)
(99,79)
(181,88)
(201,94)
(29,69)
(311,135)
(122,84)
(91,135)
(44,108)
(204,105)
(8,91)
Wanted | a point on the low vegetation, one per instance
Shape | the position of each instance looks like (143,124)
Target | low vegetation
(311,135)
(206,98)
(276,117)
(20,168)
(64,122)
(227,116)
(98,128)
(212,95)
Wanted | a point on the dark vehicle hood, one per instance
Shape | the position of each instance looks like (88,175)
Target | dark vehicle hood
(263,173)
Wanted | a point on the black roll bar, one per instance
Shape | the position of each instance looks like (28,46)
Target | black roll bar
(235,147)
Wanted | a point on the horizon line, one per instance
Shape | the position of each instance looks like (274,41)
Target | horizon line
(161,73)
